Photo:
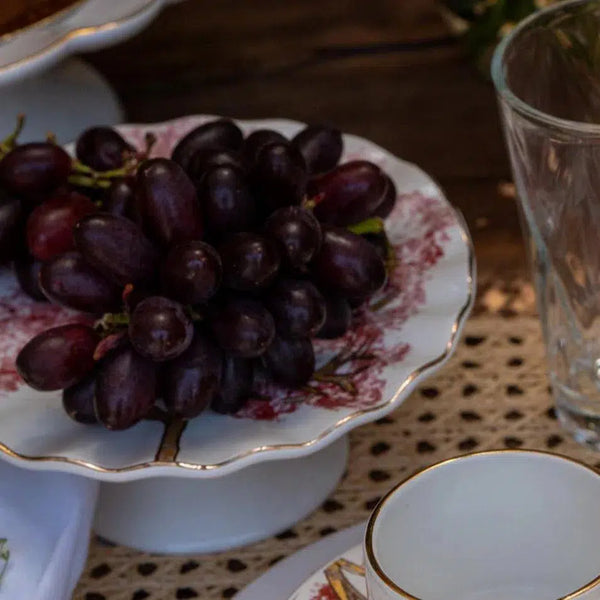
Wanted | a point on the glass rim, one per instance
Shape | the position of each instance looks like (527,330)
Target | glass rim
(504,92)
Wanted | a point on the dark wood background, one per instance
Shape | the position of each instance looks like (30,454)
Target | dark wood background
(383,69)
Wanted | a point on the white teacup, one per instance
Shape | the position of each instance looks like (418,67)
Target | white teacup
(501,525)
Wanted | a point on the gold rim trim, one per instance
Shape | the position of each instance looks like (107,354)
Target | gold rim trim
(372,560)
(77,32)
(55,16)
(339,425)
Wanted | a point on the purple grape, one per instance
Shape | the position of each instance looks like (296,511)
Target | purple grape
(159,329)
(167,203)
(120,198)
(236,385)
(320,146)
(117,248)
(208,159)
(191,382)
(279,177)
(255,142)
(298,233)
(348,265)
(250,261)
(34,169)
(290,362)
(349,194)
(219,134)
(297,307)
(69,281)
(242,327)
(226,201)
(78,401)
(58,358)
(191,272)
(125,389)
(102,148)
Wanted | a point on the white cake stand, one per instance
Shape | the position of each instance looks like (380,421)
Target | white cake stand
(222,481)
(58,93)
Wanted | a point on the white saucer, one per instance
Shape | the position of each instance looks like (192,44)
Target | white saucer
(295,576)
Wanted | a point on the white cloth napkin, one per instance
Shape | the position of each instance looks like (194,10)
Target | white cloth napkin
(47,518)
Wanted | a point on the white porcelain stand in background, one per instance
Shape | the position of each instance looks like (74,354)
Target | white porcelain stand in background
(172,515)
(65,100)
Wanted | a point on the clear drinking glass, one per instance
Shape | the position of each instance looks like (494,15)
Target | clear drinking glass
(547,76)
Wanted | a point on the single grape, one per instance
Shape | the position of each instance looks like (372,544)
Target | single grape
(117,248)
(290,362)
(250,261)
(191,272)
(236,385)
(102,148)
(27,270)
(255,142)
(389,199)
(298,233)
(278,177)
(34,169)
(348,265)
(320,146)
(221,133)
(120,198)
(167,202)
(206,159)
(226,201)
(159,329)
(78,400)
(338,317)
(242,327)
(50,226)
(70,281)
(297,307)
(11,217)
(191,382)
(349,194)
(58,358)
(125,389)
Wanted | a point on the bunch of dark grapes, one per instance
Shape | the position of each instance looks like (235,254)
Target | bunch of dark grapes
(206,272)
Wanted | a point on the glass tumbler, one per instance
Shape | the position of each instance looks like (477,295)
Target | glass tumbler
(547,77)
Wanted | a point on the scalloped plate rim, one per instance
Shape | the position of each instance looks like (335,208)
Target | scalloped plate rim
(279,451)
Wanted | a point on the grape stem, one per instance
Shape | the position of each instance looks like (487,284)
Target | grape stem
(371,225)
(8,143)
(328,373)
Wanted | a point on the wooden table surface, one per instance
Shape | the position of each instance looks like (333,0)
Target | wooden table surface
(383,69)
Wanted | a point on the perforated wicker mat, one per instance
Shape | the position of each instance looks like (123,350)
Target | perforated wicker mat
(493,394)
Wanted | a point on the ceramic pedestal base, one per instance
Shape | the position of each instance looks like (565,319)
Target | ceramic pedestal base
(176,515)
(64,100)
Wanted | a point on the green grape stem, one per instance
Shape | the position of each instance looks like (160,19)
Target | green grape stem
(8,143)
(370,225)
